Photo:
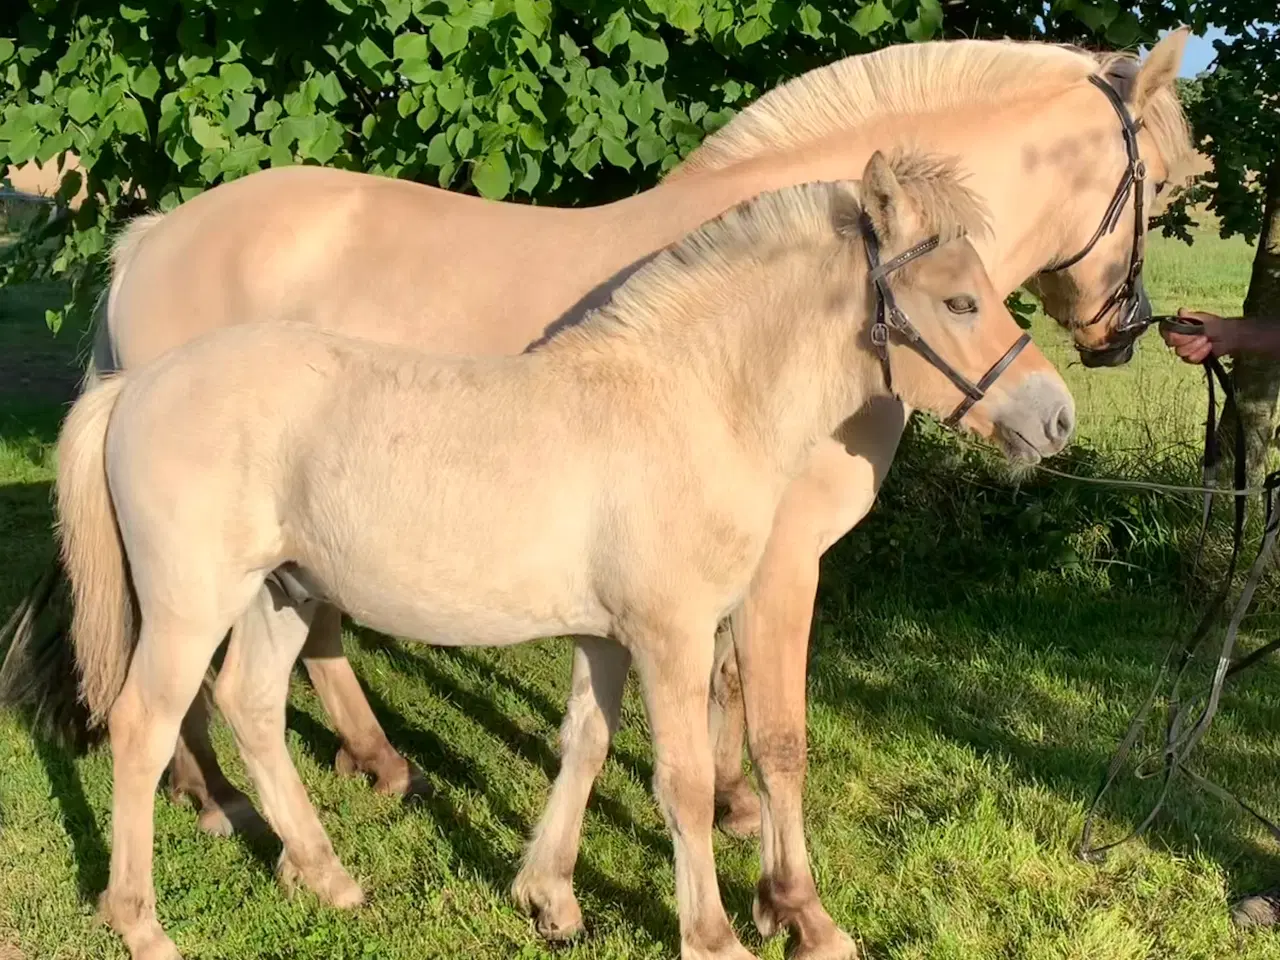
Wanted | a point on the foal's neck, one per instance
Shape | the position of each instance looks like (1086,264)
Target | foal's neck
(781,351)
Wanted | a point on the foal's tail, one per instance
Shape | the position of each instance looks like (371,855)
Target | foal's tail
(102,625)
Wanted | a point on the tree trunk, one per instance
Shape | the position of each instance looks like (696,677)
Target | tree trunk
(1257,378)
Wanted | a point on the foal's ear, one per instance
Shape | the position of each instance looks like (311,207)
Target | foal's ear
(1159,70)
(893,214)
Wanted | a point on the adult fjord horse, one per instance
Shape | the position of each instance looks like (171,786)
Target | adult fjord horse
(376,257)
(414,492)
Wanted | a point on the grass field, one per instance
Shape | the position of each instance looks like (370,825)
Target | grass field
(978,648)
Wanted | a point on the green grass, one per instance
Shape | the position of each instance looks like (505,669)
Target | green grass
(978,648)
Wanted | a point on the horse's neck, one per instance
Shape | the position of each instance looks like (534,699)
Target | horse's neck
(1036,218)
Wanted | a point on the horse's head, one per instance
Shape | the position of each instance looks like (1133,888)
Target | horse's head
(946,341)
(1133,144)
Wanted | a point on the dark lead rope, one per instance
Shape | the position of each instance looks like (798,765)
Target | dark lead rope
(1181,738)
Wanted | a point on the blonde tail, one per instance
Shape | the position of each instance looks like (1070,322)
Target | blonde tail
(102,625)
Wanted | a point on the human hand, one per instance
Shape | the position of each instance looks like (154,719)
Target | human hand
(1220,337)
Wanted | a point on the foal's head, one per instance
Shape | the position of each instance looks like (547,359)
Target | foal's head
(941,302)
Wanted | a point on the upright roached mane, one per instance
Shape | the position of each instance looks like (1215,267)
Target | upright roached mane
(915,78)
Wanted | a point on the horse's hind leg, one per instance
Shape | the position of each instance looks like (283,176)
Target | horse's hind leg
(252,690)
(167,669)
(365,748)
(738,804)
(195,773)
(544,886)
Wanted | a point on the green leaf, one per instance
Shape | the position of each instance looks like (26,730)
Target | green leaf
(331,89)
(371,54)
(452,95)
(428,115)
(646,50)
(411,46)
(438,152)
(616,152)
(407,104)
(927,24)
(752,31)
(82,105)
(534,15)
(146,82)
(870,18)
(133,14)
(129,117)
(685,15)
(532,136)
(650,148)
(532,174)
(324,146)
(1124,30)
(193,67)
(586,157)
(235,76)
(447,38)
(811,19)
(53,320)
(464,141)
(614,32)
(206,134)
(492,176)
(6,49)
(417,71)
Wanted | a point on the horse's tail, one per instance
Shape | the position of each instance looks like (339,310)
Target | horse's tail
(103,619)
(38,672)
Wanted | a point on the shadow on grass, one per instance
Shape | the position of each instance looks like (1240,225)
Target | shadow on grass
(92,860)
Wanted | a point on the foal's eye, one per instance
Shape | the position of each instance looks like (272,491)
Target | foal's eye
(1160,188)
(962,304)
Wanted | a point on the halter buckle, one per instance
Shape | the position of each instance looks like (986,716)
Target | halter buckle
(880,335)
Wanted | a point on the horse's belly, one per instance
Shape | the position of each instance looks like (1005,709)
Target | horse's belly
(465,618)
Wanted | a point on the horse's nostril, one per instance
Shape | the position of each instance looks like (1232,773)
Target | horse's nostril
(1063,425)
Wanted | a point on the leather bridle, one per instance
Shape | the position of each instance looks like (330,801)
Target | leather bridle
(1133,181)
(890,318)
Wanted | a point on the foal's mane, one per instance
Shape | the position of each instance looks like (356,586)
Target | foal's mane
(707,265)
(917,78)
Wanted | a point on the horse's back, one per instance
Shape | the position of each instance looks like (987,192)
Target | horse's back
(364,255)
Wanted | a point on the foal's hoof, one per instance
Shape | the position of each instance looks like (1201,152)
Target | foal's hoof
(740,816)
(839,946)
(142,934)
(333,885)
(553,907)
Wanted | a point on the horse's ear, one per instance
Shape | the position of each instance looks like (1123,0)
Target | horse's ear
(893,215)
(1159,70)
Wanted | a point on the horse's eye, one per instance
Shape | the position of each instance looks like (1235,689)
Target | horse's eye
(1160,188)
(962,304)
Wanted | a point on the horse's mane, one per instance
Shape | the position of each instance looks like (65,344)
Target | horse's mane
(915,78)
(706,262)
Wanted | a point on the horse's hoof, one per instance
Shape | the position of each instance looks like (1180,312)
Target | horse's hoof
(392,775)
(553,907)
(233,815)
(838,946)
(740,816)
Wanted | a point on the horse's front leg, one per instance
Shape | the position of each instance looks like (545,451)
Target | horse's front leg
(365,747)
(771,635)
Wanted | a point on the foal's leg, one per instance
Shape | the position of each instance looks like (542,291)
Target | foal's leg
(738,804)
(167,670)
(771,636)
(675,677)
(365,748)
(252,691)
(195,773)
(544,886)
